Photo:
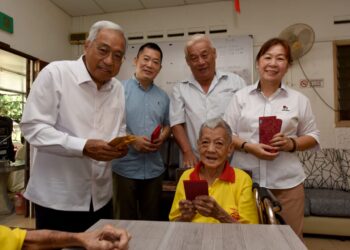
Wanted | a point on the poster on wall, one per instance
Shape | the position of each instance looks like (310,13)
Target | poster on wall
(234,54)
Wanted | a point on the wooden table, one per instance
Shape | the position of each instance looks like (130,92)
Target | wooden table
(192,236)
(6,207)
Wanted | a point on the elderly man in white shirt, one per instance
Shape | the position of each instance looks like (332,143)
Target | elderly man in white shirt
(73,110)
(202,97)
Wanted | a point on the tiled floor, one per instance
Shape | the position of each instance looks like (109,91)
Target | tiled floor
(324,243)
(14,220)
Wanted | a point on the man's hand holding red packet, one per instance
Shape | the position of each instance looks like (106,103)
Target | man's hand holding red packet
(156,133)
(268,127)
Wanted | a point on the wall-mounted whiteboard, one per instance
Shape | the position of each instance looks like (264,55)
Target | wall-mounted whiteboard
(234,54)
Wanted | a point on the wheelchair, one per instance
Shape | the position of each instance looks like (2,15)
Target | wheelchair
(268,206)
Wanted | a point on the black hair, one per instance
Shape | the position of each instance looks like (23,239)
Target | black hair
(151,46)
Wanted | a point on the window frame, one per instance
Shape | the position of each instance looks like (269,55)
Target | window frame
(338,121)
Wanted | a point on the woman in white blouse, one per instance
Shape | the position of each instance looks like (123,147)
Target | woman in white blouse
(274,165)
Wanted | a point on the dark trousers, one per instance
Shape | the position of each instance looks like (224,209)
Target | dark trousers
(139,199)
(70,221)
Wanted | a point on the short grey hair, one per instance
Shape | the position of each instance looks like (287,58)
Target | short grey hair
(197,38)
(217,123)
(99,25)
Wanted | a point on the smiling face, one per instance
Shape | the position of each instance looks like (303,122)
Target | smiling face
(214,147)
(201,60)
(148,65)
(273,65)
(104,55)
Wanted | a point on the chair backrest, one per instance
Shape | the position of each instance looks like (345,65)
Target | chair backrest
(170,153)
(7,151)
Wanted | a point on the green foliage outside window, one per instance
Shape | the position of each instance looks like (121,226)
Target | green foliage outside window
(11,106)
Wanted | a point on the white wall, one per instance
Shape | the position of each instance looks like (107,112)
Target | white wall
(263,19)
(40,29)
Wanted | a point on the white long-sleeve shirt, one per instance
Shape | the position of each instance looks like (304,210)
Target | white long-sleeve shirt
(243,113)
(63,110)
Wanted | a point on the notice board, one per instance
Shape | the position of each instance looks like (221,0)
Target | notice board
(234,54)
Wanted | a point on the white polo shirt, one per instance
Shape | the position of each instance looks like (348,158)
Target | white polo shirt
(63,110)
(189,104)
(287,104)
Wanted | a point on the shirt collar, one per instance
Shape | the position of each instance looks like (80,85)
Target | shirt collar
(227,175)
(139,84)
(217,77)
(255,88)
(83,75)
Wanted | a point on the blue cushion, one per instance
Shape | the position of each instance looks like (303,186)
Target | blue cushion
(332,203)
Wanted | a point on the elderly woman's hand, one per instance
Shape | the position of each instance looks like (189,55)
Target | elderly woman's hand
(207,206)
(187,210)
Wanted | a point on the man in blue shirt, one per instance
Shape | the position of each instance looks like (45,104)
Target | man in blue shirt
(139,174)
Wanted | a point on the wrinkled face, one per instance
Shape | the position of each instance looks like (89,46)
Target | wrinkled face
(148,65)
(273,65)
(214,148)
(201,60)
(104,55)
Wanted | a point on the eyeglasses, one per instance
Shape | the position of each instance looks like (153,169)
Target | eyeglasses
(104,51)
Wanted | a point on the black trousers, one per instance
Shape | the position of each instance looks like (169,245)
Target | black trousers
(70,221)
(139,199)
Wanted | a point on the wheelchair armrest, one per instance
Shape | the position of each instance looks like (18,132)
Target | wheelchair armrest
(265,193)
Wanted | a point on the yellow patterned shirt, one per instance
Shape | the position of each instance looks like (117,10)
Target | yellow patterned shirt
(11,239)
(232,191)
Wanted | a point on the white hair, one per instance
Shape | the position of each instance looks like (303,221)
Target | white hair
(197,38)
(217,123)
(98,26)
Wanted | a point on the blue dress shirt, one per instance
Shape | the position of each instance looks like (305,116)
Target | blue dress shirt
(145,109)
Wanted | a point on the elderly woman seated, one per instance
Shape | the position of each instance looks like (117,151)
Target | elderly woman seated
(230,198)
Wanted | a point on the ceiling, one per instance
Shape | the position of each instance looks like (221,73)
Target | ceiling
(76,8)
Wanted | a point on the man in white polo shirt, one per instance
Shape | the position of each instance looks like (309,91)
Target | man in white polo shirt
(202,97)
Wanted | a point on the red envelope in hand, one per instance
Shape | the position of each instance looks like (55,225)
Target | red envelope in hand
(156,133)
(268,127)
(195,188)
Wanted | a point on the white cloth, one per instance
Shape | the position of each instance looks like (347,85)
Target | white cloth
(294,109)
(15,181)
(189,104)
(63,110)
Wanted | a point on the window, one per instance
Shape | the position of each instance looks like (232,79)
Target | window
(13,84)
(341,52)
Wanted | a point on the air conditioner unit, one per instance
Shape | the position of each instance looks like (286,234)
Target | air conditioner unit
(77,38)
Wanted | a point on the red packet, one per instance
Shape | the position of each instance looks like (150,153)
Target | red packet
(278,125)
(268,127)
(195,188)
(156,133)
